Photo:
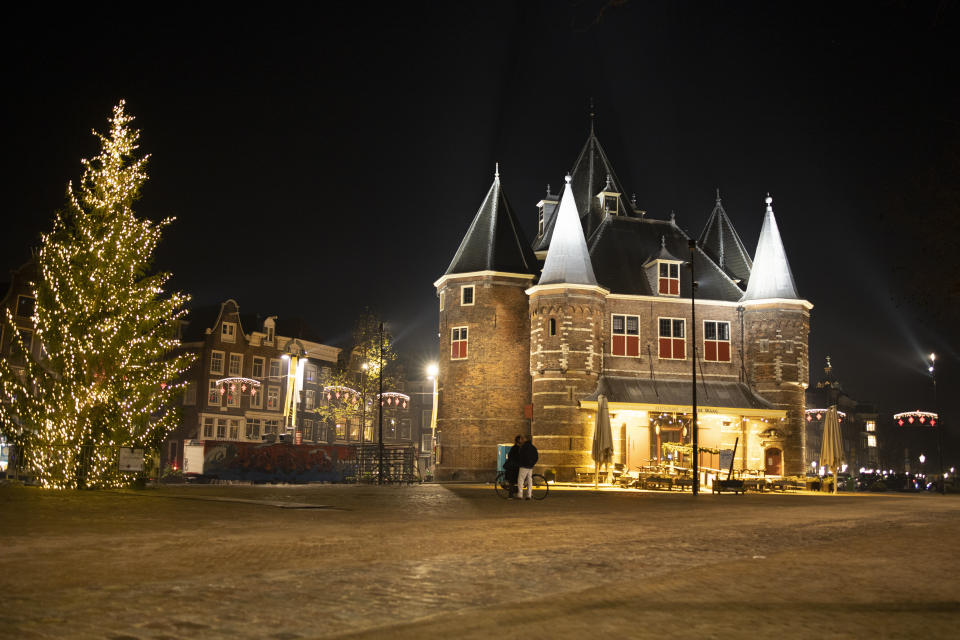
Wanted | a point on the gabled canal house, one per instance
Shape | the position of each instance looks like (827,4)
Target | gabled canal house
(599,303)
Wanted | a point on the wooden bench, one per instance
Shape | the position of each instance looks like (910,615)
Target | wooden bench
(732,484)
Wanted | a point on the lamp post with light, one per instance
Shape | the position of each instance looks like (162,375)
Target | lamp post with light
(936,409)
(433,373)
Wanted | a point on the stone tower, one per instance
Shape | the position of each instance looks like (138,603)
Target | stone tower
(566,343)
(483,384)
(777,323)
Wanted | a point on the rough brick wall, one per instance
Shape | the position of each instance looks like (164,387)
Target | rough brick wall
(482,398)
(777,362)
(564,368)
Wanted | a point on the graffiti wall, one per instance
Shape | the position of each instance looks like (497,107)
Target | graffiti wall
(278,462)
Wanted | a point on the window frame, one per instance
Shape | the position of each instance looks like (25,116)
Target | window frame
(256,399)
(459,342)
(309,399)
(221,428)
(669,279)
(674,341)
(190,394)
(228,332)
(230,360)
(279,369)
(251,428)
(213,394)
(22,297)
(463,295)
(626,343)
(253,367)
(716,344)
(552,327)
(273,390)
(207,427)
(213,353)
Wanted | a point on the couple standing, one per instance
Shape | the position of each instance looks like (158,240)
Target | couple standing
(519,467)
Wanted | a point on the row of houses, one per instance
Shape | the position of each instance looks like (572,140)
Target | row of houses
(259,379)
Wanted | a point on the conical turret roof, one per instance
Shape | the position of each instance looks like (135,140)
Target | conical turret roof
(722,243)
(568,260)
(495,240)
(771,276)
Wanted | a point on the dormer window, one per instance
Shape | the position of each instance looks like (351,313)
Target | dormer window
(268,328)
(610,204)
(25,306)
(668,281)
(228,331)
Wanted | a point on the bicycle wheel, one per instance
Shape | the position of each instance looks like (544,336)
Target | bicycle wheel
(540,487)
(501,486)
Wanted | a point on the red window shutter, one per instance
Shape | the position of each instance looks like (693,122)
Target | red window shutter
(710,350)
(463,349)
(679,350)
(724,351)
(664,285)
(618,348)
(665,351)
(675,287)
(633,345)
(455,349)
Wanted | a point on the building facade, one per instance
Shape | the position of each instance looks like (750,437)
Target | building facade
(252,381)
(532,333)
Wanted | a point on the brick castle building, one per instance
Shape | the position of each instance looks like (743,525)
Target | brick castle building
(532,333)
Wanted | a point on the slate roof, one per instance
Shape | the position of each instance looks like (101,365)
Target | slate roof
(771,276)
(589,177)
(621,246)
(568,260)
(495,240)
(721,242)
(710,393)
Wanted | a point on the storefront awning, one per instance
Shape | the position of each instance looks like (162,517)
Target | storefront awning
(674,396)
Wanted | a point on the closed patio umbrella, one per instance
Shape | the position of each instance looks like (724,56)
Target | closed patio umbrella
(602,438)
(831,450)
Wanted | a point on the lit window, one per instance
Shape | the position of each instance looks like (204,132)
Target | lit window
(274,368)
(466,295)
(273,398)
(668,283)
(307,430)
(257,367)
(672,334)
(228,331)
(871,440)
(341,432)
(213,395)
(216,362)
(458,343)
(716,341)
(25,306)
(236,364)
(625,332)
(871,425)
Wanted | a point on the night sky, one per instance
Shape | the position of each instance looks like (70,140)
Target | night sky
(320,162)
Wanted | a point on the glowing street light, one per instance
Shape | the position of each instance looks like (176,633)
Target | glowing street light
(433,372)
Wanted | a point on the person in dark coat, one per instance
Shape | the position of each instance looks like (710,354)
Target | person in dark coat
(528,459)
(511,465)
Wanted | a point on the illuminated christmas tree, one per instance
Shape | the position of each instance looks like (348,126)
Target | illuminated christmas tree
(106,374)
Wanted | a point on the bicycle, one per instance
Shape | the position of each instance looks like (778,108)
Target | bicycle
(540,487)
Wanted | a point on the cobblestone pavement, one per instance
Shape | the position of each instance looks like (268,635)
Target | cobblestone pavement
(456,561)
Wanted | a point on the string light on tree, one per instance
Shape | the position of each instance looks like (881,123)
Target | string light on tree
(108,372)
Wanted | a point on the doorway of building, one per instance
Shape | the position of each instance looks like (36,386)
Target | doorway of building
(773,462)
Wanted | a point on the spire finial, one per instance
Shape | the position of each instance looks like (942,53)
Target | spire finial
(769,202)
(633,200)
(718,195)
(496,171)
(673,217)
(663,242)
(609,184)
(592,115)
(567,178)
(548,189)
(829,366)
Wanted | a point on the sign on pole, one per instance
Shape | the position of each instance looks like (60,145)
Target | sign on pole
(131,460)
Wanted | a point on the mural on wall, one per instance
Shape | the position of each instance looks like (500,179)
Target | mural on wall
(278,462)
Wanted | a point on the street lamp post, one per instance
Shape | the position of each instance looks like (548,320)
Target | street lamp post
(433,373)
(363,413)
(380,418)
(693,359)
(936,409)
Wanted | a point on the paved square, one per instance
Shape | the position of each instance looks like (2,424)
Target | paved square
(456,561)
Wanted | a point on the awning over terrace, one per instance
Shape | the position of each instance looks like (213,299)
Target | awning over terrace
(674,396)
